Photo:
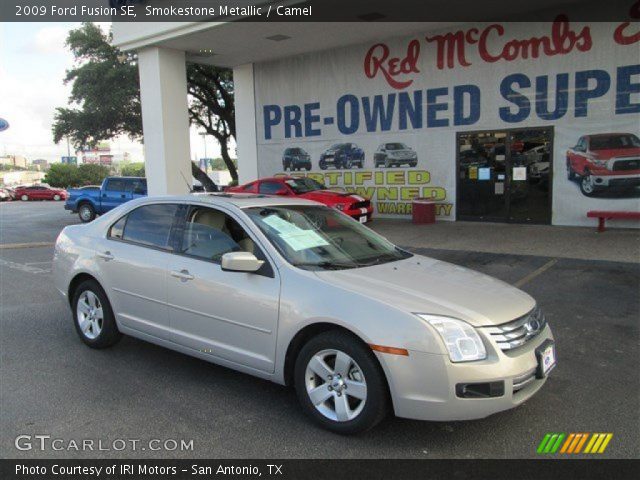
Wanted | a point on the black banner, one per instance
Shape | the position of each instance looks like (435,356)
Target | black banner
(313,10)
(333,469)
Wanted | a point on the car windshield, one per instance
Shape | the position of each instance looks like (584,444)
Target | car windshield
(304,185)
(396,146)
(296,151)
(610,142)
(321,238)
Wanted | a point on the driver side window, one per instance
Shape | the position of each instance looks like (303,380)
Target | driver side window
(209,233)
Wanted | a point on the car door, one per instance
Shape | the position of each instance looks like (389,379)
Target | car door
(231,316)
(133,261)
(115,192)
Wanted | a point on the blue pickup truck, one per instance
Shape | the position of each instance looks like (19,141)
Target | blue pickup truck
(114,191)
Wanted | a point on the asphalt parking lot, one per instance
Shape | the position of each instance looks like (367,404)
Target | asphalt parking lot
(50,383)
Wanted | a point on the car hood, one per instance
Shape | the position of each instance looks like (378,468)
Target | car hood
(424,285)
(615,152)
(329,196)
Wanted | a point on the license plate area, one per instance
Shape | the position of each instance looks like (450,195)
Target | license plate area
(546,356)
(363,219)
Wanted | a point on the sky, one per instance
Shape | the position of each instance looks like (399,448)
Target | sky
(33,62)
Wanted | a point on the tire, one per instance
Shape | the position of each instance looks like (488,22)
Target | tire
(571,175)
(586,187)
(323,165)
(284,166)
(307,168)
(347,164)
(93,316)
(56,198)
(86,212)
(360,412)
(24,198)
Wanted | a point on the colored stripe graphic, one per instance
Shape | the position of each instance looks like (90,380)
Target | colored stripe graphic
(573,443)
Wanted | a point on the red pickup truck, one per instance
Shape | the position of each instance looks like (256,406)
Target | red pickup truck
(605,160)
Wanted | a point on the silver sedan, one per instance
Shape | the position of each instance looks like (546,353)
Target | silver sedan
(300,294)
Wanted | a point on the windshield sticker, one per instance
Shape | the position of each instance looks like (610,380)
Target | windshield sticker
(297,238)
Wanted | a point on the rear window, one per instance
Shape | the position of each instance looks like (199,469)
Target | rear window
(149,225)
(115,185)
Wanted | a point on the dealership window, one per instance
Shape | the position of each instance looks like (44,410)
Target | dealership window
(149,225)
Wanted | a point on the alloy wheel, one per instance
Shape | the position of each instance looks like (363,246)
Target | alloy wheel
(587,186)
(90,315)
(336,385)
(85,213)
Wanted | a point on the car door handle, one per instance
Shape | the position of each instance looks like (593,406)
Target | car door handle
(105,256)
(182,274)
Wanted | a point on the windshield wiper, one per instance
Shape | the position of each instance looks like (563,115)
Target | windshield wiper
(327,265)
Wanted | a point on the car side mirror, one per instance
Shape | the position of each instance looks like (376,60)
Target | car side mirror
(240,262)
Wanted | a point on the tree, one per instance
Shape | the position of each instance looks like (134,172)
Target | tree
(62,175)
(213,108)
(133,170)
(68,175)
(105,97)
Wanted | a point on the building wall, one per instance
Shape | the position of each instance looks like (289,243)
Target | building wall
(421,91)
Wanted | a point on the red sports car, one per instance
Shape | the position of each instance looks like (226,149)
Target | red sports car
(353,205)
(605,160)
(41,192)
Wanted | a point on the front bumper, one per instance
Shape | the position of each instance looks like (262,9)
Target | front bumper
(423,385)
(358,213)
(614,179)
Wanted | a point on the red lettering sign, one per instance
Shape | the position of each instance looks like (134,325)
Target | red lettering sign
(620,36)
(377,61)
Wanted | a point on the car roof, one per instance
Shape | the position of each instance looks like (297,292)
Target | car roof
(240,200)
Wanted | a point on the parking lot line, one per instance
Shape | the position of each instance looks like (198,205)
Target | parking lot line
(535,273)
(8,246)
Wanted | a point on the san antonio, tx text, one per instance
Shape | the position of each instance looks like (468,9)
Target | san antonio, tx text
(145,469)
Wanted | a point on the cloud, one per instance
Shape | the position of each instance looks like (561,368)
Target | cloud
(49,40)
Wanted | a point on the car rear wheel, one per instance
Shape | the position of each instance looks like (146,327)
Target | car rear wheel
(93,316)
(340,384)
(56,197)
(24,198)
(86,212)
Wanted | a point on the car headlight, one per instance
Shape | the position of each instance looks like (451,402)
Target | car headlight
(461,339)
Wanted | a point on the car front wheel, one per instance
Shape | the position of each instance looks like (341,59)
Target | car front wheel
(56,198)
(93,316)
(340,384)
(586,185)
(24,198)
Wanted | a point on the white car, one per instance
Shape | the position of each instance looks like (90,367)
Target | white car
(298,293)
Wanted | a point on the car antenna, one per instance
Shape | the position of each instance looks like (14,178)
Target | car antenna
(187,182)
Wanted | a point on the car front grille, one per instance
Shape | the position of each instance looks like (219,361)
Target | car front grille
(622,164)
(363,204)
(516,333)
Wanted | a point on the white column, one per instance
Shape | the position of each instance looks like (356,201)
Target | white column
(165,120)
(245,104)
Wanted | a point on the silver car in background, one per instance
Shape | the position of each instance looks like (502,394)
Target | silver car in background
(300,294)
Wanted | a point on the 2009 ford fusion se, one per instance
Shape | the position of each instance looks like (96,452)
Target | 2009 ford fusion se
(300,294)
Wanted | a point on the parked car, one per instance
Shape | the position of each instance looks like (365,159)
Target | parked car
(40,192)
(90,202)
(295,158)
(394,155)
(537,154)
(297,293)
(342,155)
(350,204)
(605,160)
(6,195)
